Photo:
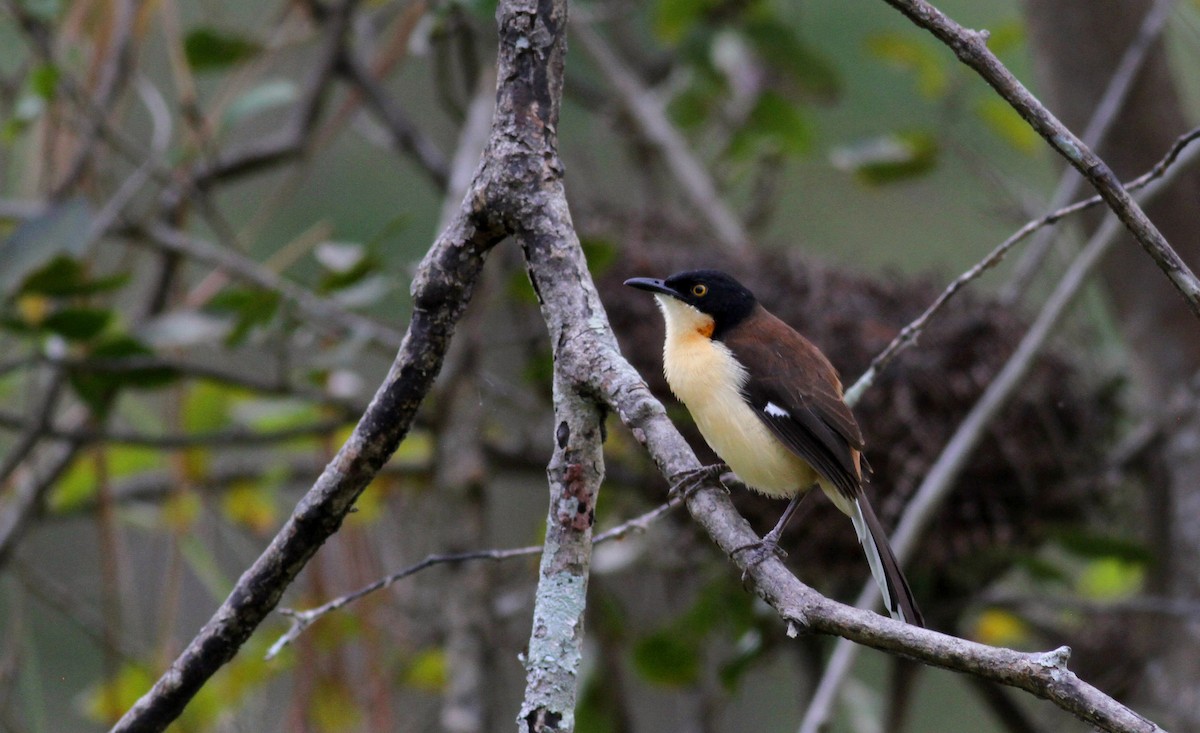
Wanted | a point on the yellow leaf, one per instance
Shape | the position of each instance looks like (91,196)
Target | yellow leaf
(252,504)
(106,701)
(427,671)
(368,507)
(1110,578)
(33,308)
(1000,628)
(180,510)
(333,708)
(1005,122)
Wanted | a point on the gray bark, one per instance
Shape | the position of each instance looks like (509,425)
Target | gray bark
(1076,45)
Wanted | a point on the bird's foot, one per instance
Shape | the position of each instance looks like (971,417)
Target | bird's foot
(760,551)
(688,482)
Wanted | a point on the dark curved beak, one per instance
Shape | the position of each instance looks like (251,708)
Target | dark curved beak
(651,284)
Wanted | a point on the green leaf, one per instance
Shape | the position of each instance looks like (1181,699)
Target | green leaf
(44,80)
(674,18)
(779,46)
(207,406)
(345,264)
(887,158)
(903,52)
(97,386)
(1096,546)
(252,504)
(64,276)
(251,307)
(78,485)
(1003,120)
(78,324)
(666,658)
(427,671)
(600,253)
(266,96)
(1111,578)
(775,125)
(63,229)
(209,48)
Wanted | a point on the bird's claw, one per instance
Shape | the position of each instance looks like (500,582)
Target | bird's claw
(759,551)
(689,481)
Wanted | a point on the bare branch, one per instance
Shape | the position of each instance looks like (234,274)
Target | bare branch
(940,479)
(301,620)
(1097,130)
(648,113)
(319,310)
(910,333)
(407,136)
(971,48)
(237,437)
(292,139)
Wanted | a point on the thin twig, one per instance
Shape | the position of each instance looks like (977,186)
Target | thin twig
(301,620)
(1103,116)
(971,48)
(910,333)
(276,386)
(113,75)
(652,121)
(319,311)
(945,470)
(407,136)
(234,438)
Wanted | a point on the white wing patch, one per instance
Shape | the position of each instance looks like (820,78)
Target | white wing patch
(775,410)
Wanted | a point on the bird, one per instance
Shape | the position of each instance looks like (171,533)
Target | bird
(770,404)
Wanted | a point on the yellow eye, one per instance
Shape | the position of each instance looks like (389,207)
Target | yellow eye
(699,290)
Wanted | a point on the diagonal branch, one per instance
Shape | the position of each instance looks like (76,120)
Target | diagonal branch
(652,122)
(440,293)
(1102,119)
(942,475)
(971,48)
(518,157)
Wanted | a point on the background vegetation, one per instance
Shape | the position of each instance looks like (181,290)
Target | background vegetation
(212,213)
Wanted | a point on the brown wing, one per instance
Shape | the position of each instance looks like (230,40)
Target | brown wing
(795,391)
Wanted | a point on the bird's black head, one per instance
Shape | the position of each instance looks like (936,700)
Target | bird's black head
(709,291)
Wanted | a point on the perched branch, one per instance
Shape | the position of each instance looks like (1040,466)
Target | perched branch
(971,48)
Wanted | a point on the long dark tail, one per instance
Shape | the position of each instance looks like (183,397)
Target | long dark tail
(896,594)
